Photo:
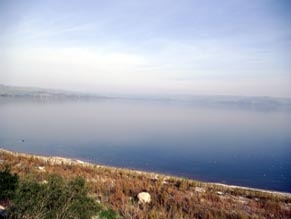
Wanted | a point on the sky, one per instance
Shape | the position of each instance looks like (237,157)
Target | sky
(156,47)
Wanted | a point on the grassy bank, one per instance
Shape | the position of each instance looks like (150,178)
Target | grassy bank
(172,197)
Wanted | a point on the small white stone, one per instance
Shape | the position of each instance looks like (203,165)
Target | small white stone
(199,189)
(219,193)
(144,198)
(42,169)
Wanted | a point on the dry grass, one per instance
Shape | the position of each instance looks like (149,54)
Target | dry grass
(172,197)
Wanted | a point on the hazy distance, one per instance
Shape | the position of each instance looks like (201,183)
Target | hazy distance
(148,47)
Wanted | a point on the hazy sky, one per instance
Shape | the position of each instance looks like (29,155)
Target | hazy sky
(148,46)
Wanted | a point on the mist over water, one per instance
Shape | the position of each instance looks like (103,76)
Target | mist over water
(247,147)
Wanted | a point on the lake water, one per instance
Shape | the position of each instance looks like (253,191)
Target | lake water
(246,147)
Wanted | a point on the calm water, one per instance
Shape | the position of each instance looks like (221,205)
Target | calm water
(245,147)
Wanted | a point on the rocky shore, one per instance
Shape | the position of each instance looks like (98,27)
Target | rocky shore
(55,160)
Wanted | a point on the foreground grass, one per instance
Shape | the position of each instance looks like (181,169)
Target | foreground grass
(172,197)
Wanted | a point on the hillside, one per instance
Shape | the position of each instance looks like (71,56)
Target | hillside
(171,197)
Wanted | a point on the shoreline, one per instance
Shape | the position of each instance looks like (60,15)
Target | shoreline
(58,160)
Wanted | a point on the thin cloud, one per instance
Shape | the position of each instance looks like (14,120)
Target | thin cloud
(128,45)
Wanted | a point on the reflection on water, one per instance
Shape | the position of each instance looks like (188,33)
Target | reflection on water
(234,146)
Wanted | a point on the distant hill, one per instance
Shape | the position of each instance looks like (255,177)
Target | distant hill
(243,102)
(41,93)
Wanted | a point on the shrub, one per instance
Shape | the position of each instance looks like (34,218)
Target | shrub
(8,184)
(108,214)
(54,200)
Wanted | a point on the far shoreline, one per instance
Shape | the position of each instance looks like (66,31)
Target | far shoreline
(58,160)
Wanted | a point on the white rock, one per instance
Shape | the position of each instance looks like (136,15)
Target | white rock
(42,169)
(199,189)
(219,193)
(144,197)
